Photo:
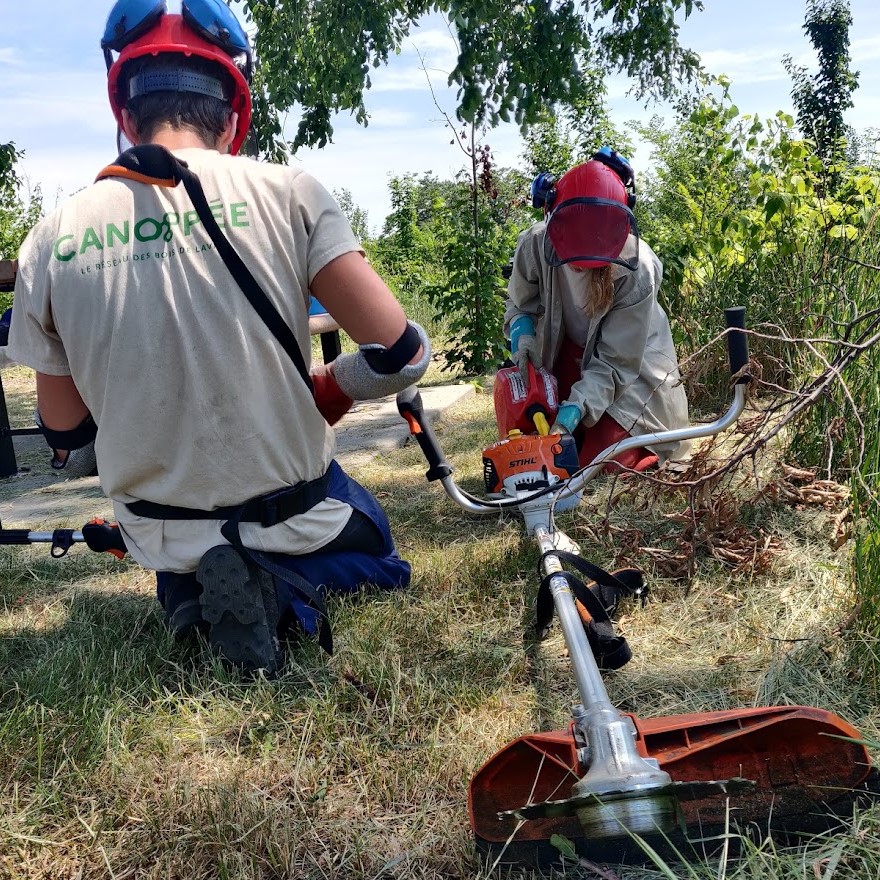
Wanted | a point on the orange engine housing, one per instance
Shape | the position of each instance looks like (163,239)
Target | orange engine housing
(529,454)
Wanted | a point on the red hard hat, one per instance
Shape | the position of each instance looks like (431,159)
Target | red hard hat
(589,216)
(169,35)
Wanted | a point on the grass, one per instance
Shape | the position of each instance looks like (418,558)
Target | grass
(123,755)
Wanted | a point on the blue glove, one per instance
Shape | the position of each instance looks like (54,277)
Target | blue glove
(567,419)
(521,326)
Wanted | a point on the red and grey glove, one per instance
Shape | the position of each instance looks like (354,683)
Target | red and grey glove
(332,402)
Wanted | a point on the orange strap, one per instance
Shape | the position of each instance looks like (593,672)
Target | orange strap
(122,171)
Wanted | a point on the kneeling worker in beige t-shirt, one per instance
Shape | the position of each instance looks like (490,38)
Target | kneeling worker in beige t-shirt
(212,443)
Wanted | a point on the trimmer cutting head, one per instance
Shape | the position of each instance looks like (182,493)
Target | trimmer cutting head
(786,770)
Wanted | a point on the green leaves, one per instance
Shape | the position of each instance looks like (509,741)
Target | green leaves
(742,210)
(822,98)
(448,241)
(565,847)
(515,59)
(17,213)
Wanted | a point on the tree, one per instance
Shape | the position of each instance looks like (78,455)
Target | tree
(8,157)
(821,99)
(16,216)
(514,61)
(356,215)
(567,135)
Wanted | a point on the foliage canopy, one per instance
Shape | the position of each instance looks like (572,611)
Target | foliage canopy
(514,59)
(822,98)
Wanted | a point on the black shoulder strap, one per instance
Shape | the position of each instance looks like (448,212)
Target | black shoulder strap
(152,164)
(610,650)
(611,587)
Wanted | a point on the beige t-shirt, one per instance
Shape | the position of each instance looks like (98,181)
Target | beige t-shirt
(197,404)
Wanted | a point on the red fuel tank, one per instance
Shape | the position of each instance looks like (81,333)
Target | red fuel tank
(516,405)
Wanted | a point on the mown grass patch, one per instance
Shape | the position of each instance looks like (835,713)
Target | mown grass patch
(124,755)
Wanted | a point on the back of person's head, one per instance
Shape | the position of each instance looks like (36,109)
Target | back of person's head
(187,71)
(149,109)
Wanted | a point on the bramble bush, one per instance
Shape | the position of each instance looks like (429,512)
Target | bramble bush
(743,212)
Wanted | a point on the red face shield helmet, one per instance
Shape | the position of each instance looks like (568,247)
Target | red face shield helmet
(589,220)
(206,29)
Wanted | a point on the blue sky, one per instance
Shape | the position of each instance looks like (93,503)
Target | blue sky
(53,100)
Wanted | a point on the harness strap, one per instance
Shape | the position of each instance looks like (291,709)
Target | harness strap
(268,510)
(611,587)
(610,650)
(600,600)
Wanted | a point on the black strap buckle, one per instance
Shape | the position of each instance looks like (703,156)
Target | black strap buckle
(62,541)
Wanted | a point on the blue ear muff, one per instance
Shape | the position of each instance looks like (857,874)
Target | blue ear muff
(543,190)
(621,167)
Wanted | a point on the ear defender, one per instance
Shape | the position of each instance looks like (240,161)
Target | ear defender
(621,167)
(543,192)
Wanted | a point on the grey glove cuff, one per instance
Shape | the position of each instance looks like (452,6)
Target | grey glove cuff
(527,351)
(79,462)
(356,378)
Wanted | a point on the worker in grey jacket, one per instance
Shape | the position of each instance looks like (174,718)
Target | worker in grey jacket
(582,302)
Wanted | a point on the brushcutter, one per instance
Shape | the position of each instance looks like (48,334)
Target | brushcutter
(97,534)
(613,781)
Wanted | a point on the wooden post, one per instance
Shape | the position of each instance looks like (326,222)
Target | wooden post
(8,464)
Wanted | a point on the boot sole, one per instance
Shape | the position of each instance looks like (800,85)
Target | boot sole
(233,606)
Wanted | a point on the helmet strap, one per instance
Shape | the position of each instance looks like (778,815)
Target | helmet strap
(175,80)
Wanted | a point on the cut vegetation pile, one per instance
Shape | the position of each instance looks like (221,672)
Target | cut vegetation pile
(123,755)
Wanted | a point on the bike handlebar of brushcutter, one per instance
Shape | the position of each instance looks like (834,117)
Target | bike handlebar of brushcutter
(96,534)
(409,404)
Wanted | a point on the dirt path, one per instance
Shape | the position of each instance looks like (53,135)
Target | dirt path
(39,498)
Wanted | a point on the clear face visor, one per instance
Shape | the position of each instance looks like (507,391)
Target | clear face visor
(590,232)
(212,20)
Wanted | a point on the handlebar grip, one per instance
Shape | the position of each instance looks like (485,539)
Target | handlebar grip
(409,405)
(737,342)
(15,536)
(104,537)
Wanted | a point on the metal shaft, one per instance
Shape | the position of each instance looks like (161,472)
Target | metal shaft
(586,671)
(49,537)
(623,789)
